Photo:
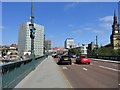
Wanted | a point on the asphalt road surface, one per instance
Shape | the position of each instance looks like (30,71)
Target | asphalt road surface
(96,75)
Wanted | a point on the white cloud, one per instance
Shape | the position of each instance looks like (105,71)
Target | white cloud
(106,19)
(99,32)
(77,31)
(2,27)
(70,25)
(106,25)
(88,28)
(71,5)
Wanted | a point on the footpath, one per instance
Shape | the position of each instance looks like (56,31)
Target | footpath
(46,75)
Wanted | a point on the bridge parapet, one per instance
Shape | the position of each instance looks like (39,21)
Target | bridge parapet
(12,73)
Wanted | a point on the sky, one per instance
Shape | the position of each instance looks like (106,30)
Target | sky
(81,21)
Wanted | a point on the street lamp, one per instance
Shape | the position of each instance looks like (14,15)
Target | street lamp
(32,30)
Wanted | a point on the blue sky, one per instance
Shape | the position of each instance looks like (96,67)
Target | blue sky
(81,21)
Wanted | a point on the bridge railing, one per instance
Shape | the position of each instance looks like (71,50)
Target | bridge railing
(12,73)
(114,58)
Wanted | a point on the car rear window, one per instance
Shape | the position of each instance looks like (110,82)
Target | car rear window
(84,56)
(65,56)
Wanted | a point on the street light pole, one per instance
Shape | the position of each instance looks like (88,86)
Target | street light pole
(32,30)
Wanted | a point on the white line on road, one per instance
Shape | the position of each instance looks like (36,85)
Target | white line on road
(110,68)
(91,64)
(115,64)
(85,69)
(106,60)
(119,84)
(73,63)
(65,68)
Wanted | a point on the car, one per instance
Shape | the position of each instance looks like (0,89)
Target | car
(73,56)
(64,59)
(54,55)
(83,59)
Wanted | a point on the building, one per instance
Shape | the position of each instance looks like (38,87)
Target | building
(91,46)
(82,49)
(24,40)
(69,43)
(47,44)
(115,36)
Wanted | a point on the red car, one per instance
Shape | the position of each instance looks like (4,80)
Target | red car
(83,59)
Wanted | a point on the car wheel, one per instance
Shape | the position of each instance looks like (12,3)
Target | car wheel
(70,63)
(76,61)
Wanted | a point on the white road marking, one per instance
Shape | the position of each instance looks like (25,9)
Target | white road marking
(64,68)
(119,83)
(91,64)
(73,63)
(110,68)
(85,69)
(115,65)
(106,60)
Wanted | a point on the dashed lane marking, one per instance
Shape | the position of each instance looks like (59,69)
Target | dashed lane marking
(85,69)
(91,64)
(119,84)
(115,65)
(110,68)
(64,68)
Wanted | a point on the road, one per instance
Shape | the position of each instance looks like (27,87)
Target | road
(96,75)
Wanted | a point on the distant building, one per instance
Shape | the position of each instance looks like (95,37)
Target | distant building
(59,50)
(115,36)
(69,43)
(83,48)
(91,46)
(13,45)
(47,44)
(24,40)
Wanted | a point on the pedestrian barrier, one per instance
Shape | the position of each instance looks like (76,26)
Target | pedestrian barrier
(12,73)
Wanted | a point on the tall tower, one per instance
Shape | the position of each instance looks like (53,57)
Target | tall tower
(115,37)
(119,14)
(96,42)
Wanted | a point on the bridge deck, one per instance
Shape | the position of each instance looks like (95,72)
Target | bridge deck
(46,75)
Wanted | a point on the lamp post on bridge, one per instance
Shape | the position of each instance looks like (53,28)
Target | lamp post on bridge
(32,30)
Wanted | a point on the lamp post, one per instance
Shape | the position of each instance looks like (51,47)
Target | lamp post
(32,30)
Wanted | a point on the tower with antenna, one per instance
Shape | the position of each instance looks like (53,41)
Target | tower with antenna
(96,42)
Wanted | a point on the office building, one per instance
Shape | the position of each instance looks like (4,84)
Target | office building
(69,43)
(24,40)
(47,44)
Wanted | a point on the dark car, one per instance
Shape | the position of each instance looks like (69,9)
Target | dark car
(83,59)
(64,59)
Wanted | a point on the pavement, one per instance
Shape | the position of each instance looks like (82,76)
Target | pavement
(46,75)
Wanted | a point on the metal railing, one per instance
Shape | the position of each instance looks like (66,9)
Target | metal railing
(114,58)
(12,73)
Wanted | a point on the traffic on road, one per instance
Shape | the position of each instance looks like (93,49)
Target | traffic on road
(96,74)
